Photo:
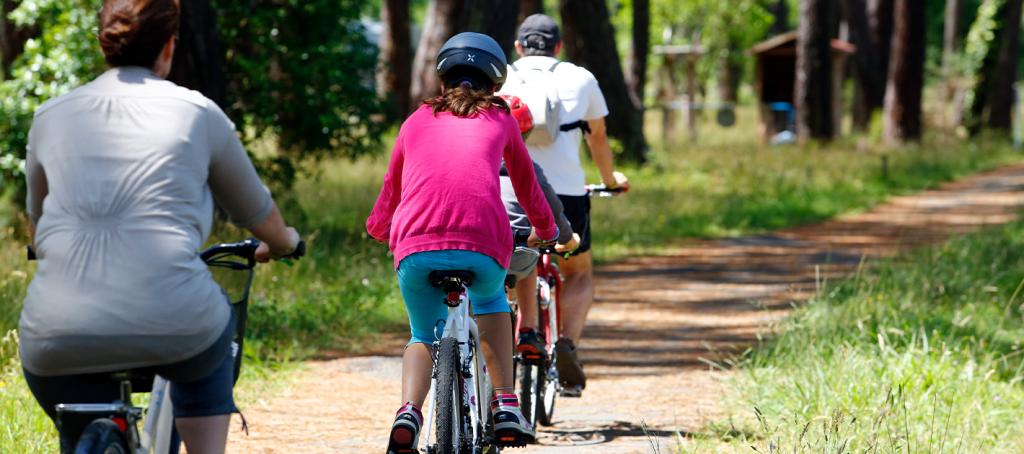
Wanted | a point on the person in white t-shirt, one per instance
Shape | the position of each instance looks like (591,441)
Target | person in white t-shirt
(582,112)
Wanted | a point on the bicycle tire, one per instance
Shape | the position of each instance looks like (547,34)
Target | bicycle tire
(448,398)
(102,436)
(547,379)
(529,375)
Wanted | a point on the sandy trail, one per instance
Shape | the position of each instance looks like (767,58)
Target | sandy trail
(655,322)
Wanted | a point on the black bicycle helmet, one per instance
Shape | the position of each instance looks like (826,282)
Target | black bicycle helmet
(472,50)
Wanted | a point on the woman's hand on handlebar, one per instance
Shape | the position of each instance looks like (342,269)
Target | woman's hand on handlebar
(569,246)
(264,253)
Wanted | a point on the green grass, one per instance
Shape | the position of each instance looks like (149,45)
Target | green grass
(922,353)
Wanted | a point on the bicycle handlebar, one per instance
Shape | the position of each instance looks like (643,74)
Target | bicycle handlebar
(521,239)
(245,249)
(601,190)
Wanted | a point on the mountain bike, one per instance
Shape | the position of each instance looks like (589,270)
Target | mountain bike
(461,386)
(114,429)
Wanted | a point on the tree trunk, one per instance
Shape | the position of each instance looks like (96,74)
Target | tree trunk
(590,42)
(906,73)
(199,56)
(880,21)
(729,76)
(442,22)
(12,38)
(1001,94)
(780,13)
(636,78)
(528,8)
(950,43)
(499,22)
(813,91)
(869,69)
(394,66)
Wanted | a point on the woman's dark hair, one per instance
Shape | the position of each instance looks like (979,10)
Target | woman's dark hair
(133,32)
(468,92)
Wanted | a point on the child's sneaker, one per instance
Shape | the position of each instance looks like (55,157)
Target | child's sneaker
(511,429)
(405,432)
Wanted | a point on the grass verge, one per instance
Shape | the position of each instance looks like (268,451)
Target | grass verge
(922,353)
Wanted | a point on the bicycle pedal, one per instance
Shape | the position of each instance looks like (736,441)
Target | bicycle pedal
(513,440)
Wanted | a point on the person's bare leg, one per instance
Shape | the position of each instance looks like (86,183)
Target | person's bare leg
(496,345)
(526,296)
(204,434)
(577,293)
(417,364)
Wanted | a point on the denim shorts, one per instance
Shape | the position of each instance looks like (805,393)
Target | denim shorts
(200,386)
(425,303)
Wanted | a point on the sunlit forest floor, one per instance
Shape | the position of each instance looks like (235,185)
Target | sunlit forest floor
(342,298)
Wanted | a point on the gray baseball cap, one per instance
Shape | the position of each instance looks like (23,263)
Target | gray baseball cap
(542,26)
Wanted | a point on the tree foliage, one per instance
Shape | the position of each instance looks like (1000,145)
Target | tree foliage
(299,72)
(64,55)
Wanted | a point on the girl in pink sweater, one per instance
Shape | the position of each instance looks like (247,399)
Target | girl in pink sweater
(440,208)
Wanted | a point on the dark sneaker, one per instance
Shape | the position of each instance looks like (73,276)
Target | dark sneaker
(531,347)
(511,429)
(570,371)
(405,432)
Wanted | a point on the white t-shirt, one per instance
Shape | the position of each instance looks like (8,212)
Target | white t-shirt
(581,100)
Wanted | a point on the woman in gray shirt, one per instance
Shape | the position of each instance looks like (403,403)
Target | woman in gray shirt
(123,174)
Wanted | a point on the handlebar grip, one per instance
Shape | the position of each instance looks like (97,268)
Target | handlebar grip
(299,252)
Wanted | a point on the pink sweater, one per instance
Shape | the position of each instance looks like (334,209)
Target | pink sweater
(441,190)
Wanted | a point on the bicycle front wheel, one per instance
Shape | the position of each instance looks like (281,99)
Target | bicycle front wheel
(448,398)
(102,436)
(530,383)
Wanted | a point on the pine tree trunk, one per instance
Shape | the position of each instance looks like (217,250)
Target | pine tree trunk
(780,12)
(906,73)
(199,57)
(12,38)
(636,78)
(1001,94)
(500,23)
(394,67)
(870,77)
(442,22)
(729,77)
(813,91)
(528,8)
(950,43)
(590,42)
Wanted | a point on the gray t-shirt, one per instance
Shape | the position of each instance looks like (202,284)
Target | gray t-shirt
(122,177)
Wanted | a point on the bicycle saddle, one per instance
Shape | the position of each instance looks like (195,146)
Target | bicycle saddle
(451,280)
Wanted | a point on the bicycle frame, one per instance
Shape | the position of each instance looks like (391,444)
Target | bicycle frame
(461,325)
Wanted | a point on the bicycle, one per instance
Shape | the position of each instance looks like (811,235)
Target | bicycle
(461,384)
(537,374)
(539,384)
(114,429)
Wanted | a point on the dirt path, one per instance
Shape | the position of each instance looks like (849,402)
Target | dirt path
(655,321)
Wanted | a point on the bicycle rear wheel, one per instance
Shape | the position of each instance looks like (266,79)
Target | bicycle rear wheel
(450,413)
(102,436)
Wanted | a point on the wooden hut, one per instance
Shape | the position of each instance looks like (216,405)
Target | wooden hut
(775,81)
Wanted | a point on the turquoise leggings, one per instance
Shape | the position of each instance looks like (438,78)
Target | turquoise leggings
(425,303)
